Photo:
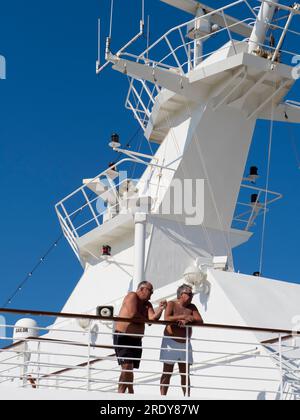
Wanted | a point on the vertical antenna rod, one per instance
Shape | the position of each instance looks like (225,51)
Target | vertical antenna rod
(98,62)
(111,17)
(108,39)
(143,10)
(148,35)
(261,26)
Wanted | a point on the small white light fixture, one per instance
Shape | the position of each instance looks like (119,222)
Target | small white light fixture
(193,275)
(196,277)
(84,323)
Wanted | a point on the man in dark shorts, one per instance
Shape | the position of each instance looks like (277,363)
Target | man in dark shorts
(128,335)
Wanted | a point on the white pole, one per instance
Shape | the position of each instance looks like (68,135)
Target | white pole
(198,52)
(263,20)
(99,41)
(139,248)
(89,360)
(280,366)
(198,44)
(187,341)
(280,42)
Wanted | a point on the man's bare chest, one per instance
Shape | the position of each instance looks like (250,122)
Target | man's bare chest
(181,310)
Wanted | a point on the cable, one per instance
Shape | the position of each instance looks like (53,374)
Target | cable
(132,138)
(50,249)
(186,175)
(29,275)
(133,167)
(226,234)
(267,189)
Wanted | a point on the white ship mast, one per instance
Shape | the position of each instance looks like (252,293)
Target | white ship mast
(203,112)
(198,96)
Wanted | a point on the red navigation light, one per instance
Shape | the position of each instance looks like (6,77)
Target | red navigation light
(106,251)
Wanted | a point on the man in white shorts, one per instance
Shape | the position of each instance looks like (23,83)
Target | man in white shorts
(173,347)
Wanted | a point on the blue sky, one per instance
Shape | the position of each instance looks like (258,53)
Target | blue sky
(56,118)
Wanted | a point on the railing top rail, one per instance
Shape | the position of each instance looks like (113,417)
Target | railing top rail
(118,319)
(103,173)
(182,25)
(135,160)
(282,6)
(212,12)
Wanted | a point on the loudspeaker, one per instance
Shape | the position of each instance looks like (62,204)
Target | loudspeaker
(105,311)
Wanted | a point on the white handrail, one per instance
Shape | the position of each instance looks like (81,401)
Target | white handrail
(95,369)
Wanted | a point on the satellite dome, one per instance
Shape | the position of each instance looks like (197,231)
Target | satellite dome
(25,328)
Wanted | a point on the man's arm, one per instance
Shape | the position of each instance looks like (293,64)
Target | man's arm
(196,315)
(169,314)
(155,315)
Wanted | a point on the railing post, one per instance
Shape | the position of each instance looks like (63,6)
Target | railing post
(280,366)
(25,360)
(38,365)
(88,359)
(187,342)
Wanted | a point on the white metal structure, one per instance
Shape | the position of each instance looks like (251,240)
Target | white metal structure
(197,92)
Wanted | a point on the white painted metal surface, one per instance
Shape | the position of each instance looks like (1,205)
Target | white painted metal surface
(202,110)
(140,224)
(232,362)
(263,21)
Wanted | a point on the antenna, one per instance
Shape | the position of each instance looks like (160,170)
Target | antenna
(108,39)
(98,62)
(111,18)
(143,10)
(148,35)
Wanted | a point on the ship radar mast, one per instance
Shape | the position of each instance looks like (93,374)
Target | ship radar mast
(197,92)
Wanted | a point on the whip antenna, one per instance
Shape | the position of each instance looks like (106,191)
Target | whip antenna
(111,17)
(98,63)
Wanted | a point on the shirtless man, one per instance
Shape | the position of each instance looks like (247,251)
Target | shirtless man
(135,305)
(173,350)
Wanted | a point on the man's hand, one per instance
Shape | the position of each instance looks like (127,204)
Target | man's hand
(186,319)
(155,315)
(163,304)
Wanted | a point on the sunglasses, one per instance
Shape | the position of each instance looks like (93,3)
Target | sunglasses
(150,290)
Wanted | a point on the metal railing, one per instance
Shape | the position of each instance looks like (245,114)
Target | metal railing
(229,361)
(247,212)
(174,51)
(100,199)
